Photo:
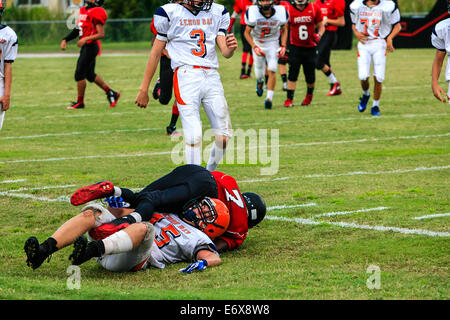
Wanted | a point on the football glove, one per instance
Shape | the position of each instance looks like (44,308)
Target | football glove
(258,51)
(116,202)
(198,265)
(316,38)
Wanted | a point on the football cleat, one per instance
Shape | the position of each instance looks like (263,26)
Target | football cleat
(375,111)
(288,103)
(171,131)
(308,99)
(157,89)
(363,102)
(259,87)
(95,191)
(268,104)
(112,97)
(78,255)
(75,105)
(36,254)
(335,89)
(244,76)
(107,229)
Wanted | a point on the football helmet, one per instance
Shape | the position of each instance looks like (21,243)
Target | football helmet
(199,5)
(266,6)
(256,208)
(95,3)
(299,2)
(209,215)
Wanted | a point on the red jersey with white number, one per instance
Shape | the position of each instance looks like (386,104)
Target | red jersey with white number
(303,24)
(88,19)
(230,195)
(331,9)
(241,6)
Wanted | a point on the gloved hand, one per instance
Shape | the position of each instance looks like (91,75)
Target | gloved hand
(316,38)
(258,51)
(282,52)
(198,265)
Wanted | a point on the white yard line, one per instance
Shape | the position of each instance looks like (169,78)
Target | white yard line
(430,216)
(361,226)
(13,181)
(33,197)
(339,213)
(291,206)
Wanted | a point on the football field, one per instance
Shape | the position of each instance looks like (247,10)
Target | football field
(358,206)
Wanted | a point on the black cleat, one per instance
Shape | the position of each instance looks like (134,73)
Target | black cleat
(36,254)
(113,98)
(157,89)
(78,255)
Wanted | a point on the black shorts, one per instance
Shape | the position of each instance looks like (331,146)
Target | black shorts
(246,46)
(86,62)
(302,56)
(166,80)
(327,42)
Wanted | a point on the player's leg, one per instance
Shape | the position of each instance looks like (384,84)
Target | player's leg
(172,127)
(272,66)
(260,69)
(80,78)
(323,61)
(246,53)
(309,72)
(379,69)
(166,80)
(364,60)
(294,70)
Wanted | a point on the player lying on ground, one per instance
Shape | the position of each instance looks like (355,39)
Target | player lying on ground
(165,239)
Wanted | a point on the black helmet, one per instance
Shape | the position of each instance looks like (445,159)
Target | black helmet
(256,208)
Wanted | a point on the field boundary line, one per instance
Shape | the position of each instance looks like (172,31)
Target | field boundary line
(340,213)
(430,216)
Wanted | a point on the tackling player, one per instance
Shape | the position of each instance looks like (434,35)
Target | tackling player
(304,18)
(375,25)
(240,7)
(190,31)
(8,50)
(264,23)
(440,39)
(333,17)
(90,29)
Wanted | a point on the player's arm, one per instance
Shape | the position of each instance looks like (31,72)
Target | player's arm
(152,63)
(99,35)
(205,258)
(72,35)
(438,61)
(389,40)
(221,245)
(5,100)
(227,44)
(359,35)
(339,21)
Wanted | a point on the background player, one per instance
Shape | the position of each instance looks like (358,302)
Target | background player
(91,28)
(191,46)
(333,17)
(440,39)
(264,23)
(240,7)
(304,19)
(8,50)
(375,24)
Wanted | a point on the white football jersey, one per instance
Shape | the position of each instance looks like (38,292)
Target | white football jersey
(375,22)
(8,47)
(440,39)
(191,39)
(176,241)
(263,28)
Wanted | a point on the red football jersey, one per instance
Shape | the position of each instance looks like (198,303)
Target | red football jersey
(302,25)
(230,195)
(88,19)
(331,9)
(241,6)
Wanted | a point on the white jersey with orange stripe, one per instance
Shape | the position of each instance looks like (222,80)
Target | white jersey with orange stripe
(266,29)
(440,39)
(191,37)
(176,241)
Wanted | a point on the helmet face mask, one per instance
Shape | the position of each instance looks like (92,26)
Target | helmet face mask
(208,215)
(299,2)
(199,5)
(266,6)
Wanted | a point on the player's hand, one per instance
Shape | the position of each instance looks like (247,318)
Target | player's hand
(389,45)
(361,37)
(199,265)
(63,45)
(4,103)
(81,42)
(231,41)
(116,202)
(439,93)
(282,52)
(258,51)
(316,38)
(142,99)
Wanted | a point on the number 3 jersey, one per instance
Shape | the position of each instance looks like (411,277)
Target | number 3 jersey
(375,22)
(191,38)
(265,29)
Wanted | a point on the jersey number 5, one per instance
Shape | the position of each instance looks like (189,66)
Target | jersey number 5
(163,238)
(201,39)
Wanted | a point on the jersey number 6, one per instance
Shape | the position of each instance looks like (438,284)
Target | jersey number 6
(200,36)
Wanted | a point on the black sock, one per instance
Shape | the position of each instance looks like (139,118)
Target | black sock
(173,120)
(266,78)
(328,72)
(249,70)
(290,94)
(49,246)
(95,248)
(284,77)
(310,90)
(243,68)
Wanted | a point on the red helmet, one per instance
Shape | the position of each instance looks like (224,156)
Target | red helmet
(209,215)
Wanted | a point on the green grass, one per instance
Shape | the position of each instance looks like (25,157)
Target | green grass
(279,259)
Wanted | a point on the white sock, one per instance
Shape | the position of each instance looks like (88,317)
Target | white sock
(118,242)
(269,95)
(376,103)
(117,192)
(193,155)
(215,157)
(332,78)
(366,92)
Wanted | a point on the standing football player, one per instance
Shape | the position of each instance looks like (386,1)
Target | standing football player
(375,24)
(90,29)
(333,17)
(8,50)
(440,39)
(240,7)
(304,19)
(264,23)
(190,31)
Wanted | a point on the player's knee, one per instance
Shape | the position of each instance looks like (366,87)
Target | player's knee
(193,140)
(91,77)
(79,76)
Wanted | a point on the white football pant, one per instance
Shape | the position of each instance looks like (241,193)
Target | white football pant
(372,50)
(270,50)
